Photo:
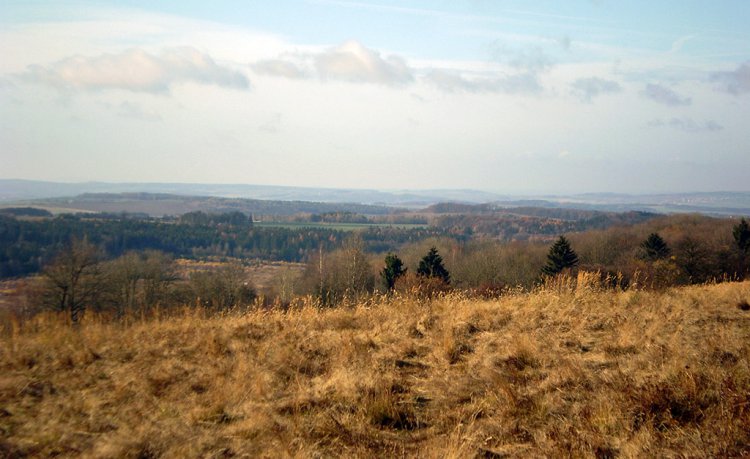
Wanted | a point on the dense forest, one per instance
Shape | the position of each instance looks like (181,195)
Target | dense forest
(524,223)
(26,245)
(29,237)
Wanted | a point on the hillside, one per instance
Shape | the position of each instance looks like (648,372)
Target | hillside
(556,372)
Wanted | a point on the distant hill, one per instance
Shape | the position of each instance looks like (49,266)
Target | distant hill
(458,208)
(162,204)
(14,192)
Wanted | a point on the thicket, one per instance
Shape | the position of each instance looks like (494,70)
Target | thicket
(136,283)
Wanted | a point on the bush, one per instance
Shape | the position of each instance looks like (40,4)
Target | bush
(414,285)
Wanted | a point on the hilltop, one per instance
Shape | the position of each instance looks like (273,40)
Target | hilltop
(560,371)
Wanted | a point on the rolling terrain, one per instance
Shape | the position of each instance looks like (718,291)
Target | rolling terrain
(158,205)
(13,192)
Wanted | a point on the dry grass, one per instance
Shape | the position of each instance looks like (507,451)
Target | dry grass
(560,372)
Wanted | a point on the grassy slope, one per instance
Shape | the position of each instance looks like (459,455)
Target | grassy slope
(550,373)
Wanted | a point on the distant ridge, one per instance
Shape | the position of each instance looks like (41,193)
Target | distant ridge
(164,204)
(14,192)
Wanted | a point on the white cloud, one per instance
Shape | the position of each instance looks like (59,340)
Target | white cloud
(565,41)
(136,70)
(687,125)
(279,67)
(589,88)
(136,111)
(735,82)
(532,59)
(272,125)
(523,83)
(353,62)
(664,95)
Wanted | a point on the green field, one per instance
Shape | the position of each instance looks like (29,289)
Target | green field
(336,226)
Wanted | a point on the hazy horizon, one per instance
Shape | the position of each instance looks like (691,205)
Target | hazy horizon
(147,187)
(512,97)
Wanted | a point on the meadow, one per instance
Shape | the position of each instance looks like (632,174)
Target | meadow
(568,369)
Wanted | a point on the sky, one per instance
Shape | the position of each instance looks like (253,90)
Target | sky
(510,96)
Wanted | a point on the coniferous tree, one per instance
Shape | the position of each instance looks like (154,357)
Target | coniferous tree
(561,256)
(394,268)
(741,233)
(654,248)
(694,260)
(431,265)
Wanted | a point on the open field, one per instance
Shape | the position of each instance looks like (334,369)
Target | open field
(12,293)
(261,274)
(557,372)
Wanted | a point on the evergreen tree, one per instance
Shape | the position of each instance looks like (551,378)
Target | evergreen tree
(394,268)
(654,248)
(561,256)
(741,233)
(431,265)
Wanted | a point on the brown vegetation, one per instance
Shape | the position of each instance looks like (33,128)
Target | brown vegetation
(570,369)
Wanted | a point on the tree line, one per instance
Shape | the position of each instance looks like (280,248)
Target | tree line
(78,277)
(639,255)
(672,251)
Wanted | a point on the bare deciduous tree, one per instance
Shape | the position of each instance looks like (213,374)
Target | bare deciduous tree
(222,288)
(138,280)
(73,278)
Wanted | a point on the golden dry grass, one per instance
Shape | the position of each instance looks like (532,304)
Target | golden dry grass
(558,372)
